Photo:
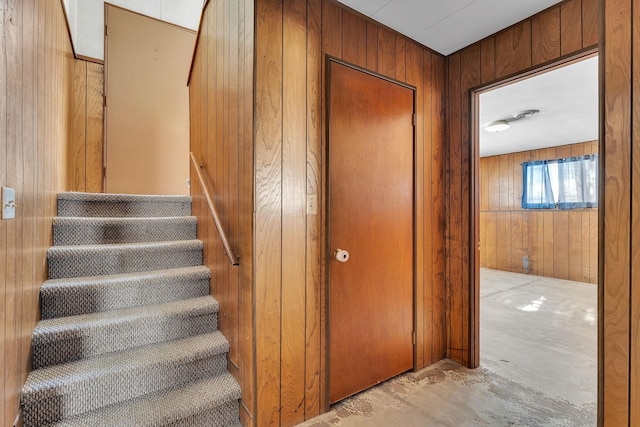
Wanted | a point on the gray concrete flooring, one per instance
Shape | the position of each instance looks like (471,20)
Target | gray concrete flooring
(538,343)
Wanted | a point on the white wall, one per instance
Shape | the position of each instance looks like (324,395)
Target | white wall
(86,19)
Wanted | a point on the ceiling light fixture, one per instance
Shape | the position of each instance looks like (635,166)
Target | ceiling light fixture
(497,126)
(500,125)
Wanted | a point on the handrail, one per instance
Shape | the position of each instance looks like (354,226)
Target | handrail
(233,258)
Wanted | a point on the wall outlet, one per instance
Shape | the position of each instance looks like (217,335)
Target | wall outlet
(8,203)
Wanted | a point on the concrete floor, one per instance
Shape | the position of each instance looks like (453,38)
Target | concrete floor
(538,342)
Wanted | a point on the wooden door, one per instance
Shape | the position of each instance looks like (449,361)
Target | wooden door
(147,121)
(370,215)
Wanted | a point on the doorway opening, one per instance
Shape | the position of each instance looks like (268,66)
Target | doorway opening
(535,179)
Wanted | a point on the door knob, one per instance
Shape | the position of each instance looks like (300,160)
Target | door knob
(341,255)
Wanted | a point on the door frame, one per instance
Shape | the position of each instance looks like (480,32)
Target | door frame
(474,218)
(324,236)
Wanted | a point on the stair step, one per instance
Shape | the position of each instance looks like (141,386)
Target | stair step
(63,391)
(96,231)
(83,295)
(122,205)
(208,402)
(67,339)
(98,260)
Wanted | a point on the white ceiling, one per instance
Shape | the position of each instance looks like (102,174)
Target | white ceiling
(447,26)
(567,98)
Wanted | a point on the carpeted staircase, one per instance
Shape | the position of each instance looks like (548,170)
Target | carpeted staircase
(129,332)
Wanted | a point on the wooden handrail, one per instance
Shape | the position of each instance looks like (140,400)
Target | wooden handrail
(233,258)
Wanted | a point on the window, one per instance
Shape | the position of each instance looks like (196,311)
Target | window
(570,183)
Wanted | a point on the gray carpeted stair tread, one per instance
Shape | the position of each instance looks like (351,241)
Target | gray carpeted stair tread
(204,403)
(81,295)
(122,205)
(97,260)
(95,231)
(66,339)
(66,390)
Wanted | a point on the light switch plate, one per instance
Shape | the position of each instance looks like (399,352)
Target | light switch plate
(8,203)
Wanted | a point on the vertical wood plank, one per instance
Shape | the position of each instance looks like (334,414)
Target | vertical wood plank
(313,264)
(401,66)
(94,128)
(574,231)
(548,243)
(589,23)
(490,247)
(372,46)
(513,49)
(354,40)
(78,154)
(386,52)
(616,112)
(487,59)
(571,34)
(634,405)
(268,199)
(294,192)
(438,99)
(454,229)
(545,36)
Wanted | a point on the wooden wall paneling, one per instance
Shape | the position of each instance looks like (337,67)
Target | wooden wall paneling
(401,58)
(490,248)
(331,30)
(13,296)
(574,231)
(268,221)
(561,244)
(78,147)
(532,250)
(513,49)
(233,193)
(616,118)
(593,247)
(483,239)
(438,224)
(487,59)
(387,52)
(246,296)
(94,128)
(454,229)
(372,46)
(516,230)
(501,231)
(294,192)
(518,160)
(423,294)
(545,36)
(354,40)
(470,77)
(590,34)
(314,386)
(571,34)
(503,190)
(4,246)
(634,389)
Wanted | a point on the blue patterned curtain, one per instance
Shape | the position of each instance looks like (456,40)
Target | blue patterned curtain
(578,182)
(536,187)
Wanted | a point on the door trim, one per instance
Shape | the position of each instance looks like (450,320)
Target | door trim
(325,220)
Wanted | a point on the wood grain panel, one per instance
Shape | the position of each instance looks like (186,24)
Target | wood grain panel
(487,59)
(36,117)
(545,36)
(438,225)
(94,144)
(77,155)
(314,357)
(617,117)
(386,52)
(634,405)
(560,244)
(294,193)
(571,34)
(354,45)
(372,46)
(513,49)
(590,34)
